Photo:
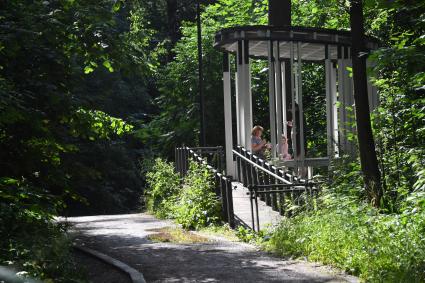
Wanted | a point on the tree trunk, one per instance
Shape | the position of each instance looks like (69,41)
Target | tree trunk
(368,159)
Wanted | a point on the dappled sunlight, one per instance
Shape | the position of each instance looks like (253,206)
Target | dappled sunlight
(211,261)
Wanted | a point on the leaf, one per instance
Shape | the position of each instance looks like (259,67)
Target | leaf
(88,70)
(117,6)
(107,65)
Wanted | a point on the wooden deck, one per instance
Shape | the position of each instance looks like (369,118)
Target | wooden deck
(242,209)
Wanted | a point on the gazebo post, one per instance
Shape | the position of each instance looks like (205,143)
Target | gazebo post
(244,96)
(239,105)
(294,116)
(272,95)
(227,90)
(334,110)
(278,88)
(240,96)
(300,103)
(284,99)
(331,110)
(247,94)
(342,122)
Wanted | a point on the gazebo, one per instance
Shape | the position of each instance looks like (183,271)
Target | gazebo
(286,48)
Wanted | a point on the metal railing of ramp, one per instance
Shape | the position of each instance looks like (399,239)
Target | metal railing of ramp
(278,188)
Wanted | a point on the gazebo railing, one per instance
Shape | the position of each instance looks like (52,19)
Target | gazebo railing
(222,183)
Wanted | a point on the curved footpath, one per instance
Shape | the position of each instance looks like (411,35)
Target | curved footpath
(124,237)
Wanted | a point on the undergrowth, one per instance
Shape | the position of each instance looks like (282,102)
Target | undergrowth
(192,201)
(347,232)
(33,245)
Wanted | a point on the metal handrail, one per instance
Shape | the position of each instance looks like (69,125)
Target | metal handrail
(308,184)
(201,159)
(207,148)
(261,168)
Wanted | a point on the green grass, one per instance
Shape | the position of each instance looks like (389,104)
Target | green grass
(378,248)
(220,231)
(175,235)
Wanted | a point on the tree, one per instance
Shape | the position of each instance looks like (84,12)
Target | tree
(368,158)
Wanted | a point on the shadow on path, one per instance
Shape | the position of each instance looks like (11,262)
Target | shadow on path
(125,239)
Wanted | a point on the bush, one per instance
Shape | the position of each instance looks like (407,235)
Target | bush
(32,243)
(198,205)
(163,189)
(193,204)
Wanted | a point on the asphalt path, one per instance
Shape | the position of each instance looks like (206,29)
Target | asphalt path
(125,237)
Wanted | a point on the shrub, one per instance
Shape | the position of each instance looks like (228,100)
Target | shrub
(163,189)
(32,243)
(193,205)
(198,205)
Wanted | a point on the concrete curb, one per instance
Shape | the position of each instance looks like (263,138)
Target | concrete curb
(135,276)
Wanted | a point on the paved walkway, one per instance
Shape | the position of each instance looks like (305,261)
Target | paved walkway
(124,237)
(242,209)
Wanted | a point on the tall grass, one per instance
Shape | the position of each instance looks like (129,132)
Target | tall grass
(345,231)
(378,248)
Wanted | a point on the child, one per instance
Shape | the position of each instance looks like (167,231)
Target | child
(284,149)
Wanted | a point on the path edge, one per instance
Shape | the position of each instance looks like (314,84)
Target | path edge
(135,275)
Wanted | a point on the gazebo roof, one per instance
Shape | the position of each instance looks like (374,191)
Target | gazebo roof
(314,41)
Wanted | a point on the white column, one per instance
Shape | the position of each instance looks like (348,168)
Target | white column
(278,89)
(227,89)
(284,97)
(334,110)
(247,95)
(300,102)
(272,104)
(329,123)
(293,93)
(240,95)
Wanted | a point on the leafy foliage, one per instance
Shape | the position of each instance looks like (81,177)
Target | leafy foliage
(31,242)
(356,237)
(65,67)
(77,82)
(163,188)
(399,122)
(198,205)
(177,122)
(193,204)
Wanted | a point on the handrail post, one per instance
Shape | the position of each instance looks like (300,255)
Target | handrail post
(256,210)
(250,188)
(274,195)
(229,194)
(224,201)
